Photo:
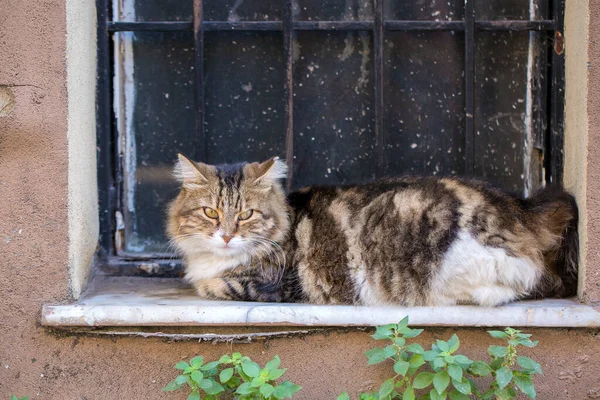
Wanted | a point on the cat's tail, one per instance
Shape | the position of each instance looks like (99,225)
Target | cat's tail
(555,219)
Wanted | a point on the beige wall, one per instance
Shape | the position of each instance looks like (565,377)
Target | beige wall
(35,249)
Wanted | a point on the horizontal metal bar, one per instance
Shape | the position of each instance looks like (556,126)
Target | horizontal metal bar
(391,25)
(544,25)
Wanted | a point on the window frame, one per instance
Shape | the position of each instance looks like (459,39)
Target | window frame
(113,260)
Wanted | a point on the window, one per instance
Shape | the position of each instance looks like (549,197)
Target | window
(348,91)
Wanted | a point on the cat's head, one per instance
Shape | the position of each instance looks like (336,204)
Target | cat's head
(228,210)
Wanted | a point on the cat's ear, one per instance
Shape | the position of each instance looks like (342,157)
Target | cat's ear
(190,173)
(269,172)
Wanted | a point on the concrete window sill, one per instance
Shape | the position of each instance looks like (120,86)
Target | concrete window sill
(120,301)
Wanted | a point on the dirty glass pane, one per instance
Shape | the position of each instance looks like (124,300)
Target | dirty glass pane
(424,103)
(431,10)
(214,10)
(156,120)
(510,9)
(333,10)
(244,112)
(333,108)
(504,129)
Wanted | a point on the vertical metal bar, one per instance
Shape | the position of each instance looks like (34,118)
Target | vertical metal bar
(469,88)
(378,49)
(104,136)
(199,138)
(288,50)
(555,141)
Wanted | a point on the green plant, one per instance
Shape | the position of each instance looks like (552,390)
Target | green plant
(234,375)
(451,374)
(13,397)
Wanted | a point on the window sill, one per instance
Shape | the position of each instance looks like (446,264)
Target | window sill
(127,301)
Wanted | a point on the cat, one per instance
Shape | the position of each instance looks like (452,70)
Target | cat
(427,241)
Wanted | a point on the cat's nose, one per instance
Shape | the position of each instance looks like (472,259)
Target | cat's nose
(227,238)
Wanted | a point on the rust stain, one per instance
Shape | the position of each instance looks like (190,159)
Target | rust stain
(559,43)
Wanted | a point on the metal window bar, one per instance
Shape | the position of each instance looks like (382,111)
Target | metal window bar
(109,175)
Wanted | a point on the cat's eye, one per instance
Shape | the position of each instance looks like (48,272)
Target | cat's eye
(211,212)
(245,215)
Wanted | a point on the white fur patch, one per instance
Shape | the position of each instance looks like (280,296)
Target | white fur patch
(488,276)
(277,171)
(206,265)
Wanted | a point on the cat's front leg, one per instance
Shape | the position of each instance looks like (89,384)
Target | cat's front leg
(234,289)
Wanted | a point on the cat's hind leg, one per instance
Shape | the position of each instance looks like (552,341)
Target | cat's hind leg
(492,296)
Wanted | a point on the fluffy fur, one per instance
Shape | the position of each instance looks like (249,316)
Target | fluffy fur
(408,241)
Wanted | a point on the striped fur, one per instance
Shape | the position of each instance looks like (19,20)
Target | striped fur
(409,241)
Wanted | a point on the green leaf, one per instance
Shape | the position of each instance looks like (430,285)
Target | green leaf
(456,395)
(529,364)
(276,374)
(503,377)
(171,386)
(196,362)
(286,389)
(496,363)
(497,351)
(443,346)
(209,366)
(498,334)
(463,360)
(441,380)
(431,355)
(226,375)
(416,361)
(403,324)
(449,359)
(376,355)
(401,367)
(206,384)
(236,356)
(453,343)
(386,387)
(197,376)
(412,333)
(256,382)
(434,395)
(251,368)
(409,393)
(273,364)
(13,397)
(526,385)
(214,389)
(343,396)
(438,363)
(529,343)
(455,372)
(383,332)
(266,389)
(181,379)
(423,380)
(415,348)
(503,394)
(244,388)
(194,396)
(462,385)
(480,368)
(182,365)
(400,341)
(225,359)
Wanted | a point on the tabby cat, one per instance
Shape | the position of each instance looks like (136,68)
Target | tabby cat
(408,241)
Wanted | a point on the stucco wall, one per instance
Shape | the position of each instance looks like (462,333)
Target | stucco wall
(35,246)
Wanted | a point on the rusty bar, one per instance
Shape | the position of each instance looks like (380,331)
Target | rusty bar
(469,87)
(391,25)
(424,25)
(106,152)
(378,50)
(555,141)
(199,140)
(544,25)
(288,56)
